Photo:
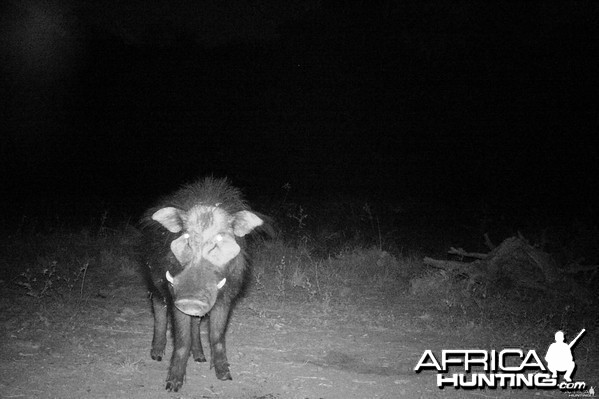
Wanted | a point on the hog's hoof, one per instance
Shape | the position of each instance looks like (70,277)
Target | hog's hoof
(223,373)
(173,384)
(175,376)
(199,358)
(156,355)
(224,376)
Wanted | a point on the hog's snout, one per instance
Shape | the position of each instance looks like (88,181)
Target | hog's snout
(190,295)
(192,307)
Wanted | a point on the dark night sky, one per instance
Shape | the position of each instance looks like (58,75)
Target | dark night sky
(433,98)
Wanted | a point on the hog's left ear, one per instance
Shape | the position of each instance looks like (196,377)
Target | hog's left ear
(245,222)
(170,218)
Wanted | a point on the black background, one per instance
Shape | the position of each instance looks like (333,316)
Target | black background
(466,102)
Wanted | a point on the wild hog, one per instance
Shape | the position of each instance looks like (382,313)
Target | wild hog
(193,251)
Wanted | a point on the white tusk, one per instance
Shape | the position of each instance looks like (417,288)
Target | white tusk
(169,277)
(221,283)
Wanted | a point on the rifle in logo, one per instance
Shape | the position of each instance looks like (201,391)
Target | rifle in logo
(571,344)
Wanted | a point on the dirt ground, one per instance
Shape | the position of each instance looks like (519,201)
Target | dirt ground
(363,344)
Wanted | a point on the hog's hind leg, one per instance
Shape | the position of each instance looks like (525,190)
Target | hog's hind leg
(160,322)
(196,342)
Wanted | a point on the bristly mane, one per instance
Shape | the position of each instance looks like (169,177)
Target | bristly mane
(209,191)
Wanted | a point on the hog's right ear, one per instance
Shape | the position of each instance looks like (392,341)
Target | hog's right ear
(170,218)
(245,222)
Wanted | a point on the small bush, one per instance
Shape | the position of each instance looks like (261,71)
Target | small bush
(48,277)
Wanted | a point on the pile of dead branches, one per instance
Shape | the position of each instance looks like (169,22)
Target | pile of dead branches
(514,260)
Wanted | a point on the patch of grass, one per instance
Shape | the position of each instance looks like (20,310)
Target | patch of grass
(46,277)
(60,262)
(294,270)
(277,264)
(498,316)
(126,365)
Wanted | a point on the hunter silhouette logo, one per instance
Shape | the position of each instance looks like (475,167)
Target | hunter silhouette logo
(506,368)
(559,356)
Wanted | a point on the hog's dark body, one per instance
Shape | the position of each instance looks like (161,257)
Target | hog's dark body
(211,199)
